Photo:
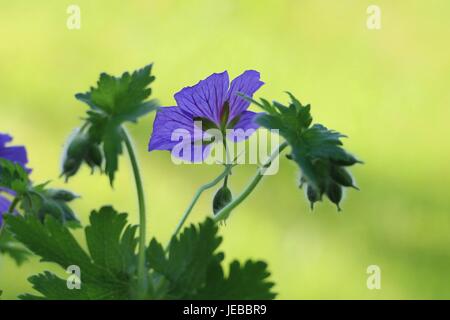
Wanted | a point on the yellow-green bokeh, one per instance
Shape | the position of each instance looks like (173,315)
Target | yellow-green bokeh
(388,90)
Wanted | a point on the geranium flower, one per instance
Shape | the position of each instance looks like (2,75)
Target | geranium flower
(17,154)
(213,101)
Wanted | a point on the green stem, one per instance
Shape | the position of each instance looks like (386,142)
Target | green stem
(13,205)
(225,212)
(228,160)
(197,195)
(142,274)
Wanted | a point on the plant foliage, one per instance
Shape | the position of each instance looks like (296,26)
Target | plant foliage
(191,269)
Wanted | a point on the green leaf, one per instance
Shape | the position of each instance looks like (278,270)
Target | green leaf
(53,288)
(13,176)
(192,268)
(13,248)
(108,248)
(40,202)
(51,240)
(290,120)
(244,282)
(122,97)
(317,150)
(188,259)
(36,200)
(114,101)
(107,271)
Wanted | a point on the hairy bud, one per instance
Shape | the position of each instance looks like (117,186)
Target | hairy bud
(313,195)
(94,157)
(221,199)
(74,155)
(61,195)
(334,193)
(81,148)
(341,176)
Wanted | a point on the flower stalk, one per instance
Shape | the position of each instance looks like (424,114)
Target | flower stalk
(142,274)
(225,212)
(13,205)
(197,195)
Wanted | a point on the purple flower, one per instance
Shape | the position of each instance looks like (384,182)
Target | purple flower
(213,101)
(16,154)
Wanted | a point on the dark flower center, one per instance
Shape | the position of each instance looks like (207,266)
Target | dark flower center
(224,123)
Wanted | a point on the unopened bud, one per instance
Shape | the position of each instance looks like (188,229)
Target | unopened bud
(341,176)
(94,157)
(78,146)
(334,193)
(61,195)
(313,195)
(221,199)
(348,160)
(75,154)
(70,167)
(50,207)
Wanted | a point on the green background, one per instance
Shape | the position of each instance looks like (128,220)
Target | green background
(387,89)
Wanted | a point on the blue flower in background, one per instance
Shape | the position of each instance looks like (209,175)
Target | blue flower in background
(213,101)
(17,154)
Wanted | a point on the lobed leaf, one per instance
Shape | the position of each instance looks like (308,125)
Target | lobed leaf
(13,248)
(107,271)
(112,102)
(190,270)
(193,268)
(317,150)
(121,97)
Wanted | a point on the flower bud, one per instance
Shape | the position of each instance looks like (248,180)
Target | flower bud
(61,195)
(75,154)
(313,195)
(341,176)
(94,157)
(70,167)
(221,199)
(50,207)
(78,146)
(346,161)
(334,193)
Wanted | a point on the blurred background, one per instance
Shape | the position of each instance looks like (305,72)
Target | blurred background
(387,89)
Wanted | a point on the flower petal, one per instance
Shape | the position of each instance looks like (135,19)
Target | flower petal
(4,139)
(175,131)
(206,98)
(244,128)
(6,190)
(16,154)
(167,121)
(247,83)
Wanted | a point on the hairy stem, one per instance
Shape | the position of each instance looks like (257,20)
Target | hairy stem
(142,274)
(225,212)
(197,195)
(228,160)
